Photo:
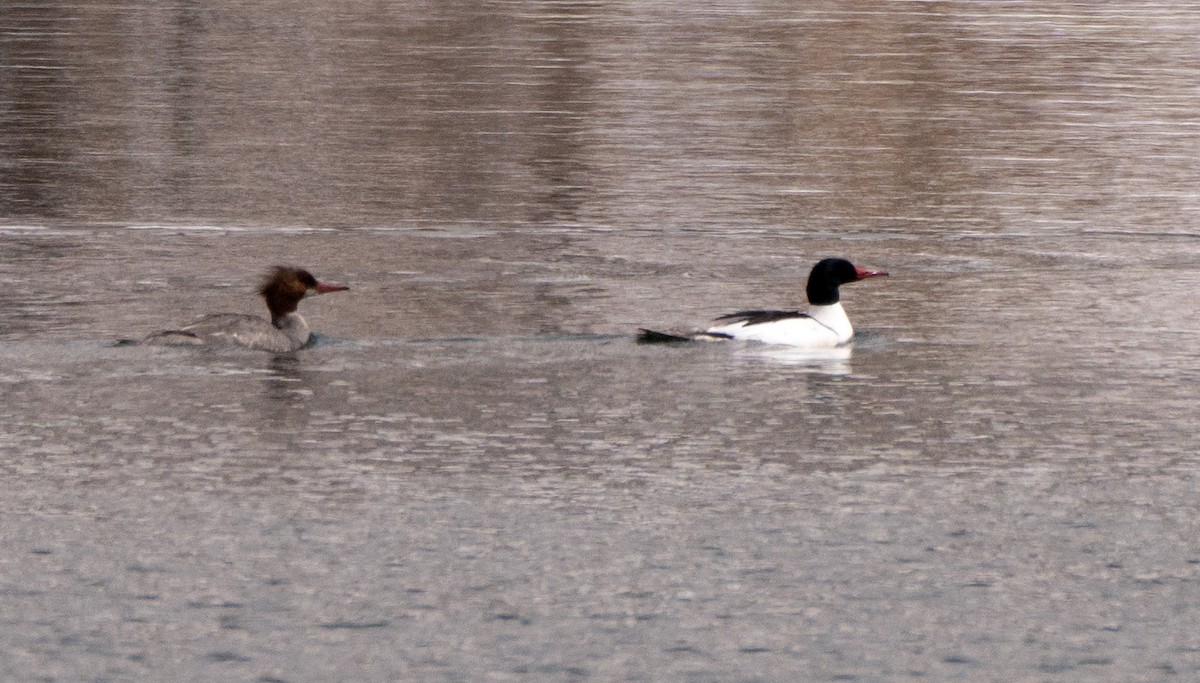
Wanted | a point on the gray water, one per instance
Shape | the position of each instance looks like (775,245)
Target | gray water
(475,474)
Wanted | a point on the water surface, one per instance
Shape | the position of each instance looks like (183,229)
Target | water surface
(475,474)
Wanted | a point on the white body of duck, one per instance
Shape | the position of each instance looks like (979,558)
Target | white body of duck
(821,327)
(824,325)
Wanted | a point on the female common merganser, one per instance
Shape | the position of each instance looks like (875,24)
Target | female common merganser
(823,326)
(287,331)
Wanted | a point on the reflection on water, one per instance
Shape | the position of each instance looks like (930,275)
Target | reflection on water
(829,361)
(957,115)
(476,473)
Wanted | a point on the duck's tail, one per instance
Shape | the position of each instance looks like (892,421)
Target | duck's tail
(645,336)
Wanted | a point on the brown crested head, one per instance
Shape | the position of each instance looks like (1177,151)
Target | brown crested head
(285,286)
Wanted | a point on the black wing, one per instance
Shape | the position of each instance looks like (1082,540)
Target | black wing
(757,317)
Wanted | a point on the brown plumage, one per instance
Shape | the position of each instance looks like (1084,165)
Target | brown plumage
(282,289)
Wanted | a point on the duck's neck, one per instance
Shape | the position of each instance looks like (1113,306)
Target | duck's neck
(285,318)
(293,326)
(834,317)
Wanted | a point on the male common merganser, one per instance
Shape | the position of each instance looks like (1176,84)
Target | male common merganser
(287,331)
(823,326)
